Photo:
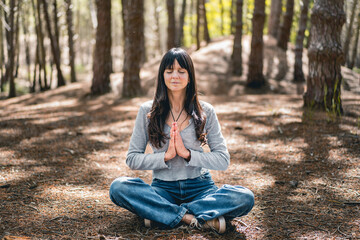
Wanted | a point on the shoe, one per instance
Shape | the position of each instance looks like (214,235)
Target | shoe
(211,224)
(147,222)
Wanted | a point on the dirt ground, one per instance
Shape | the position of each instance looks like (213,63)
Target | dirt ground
(60,150)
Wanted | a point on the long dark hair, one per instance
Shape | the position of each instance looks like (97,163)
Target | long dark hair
(161,105)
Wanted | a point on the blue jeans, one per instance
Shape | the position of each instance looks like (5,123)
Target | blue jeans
(166,202)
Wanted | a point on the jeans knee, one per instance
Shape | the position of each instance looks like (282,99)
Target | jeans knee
(242,197)
(119,186)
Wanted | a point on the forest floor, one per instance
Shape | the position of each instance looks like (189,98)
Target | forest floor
(61,149)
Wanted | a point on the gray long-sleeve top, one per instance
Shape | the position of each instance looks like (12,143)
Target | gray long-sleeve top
(177,168)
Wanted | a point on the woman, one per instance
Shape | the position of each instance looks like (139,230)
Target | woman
(176,125)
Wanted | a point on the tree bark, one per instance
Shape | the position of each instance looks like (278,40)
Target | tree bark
(349,30)
(221,17)
(102,52)
(171,28)
(274,19)
(299,45)
(232,24)
(285,29)
(236,56)
(69,21)
(2,55)
(54,46)
(206,29)
(255,78)
(325,57)
(198,24)
(25,24)
(157,26)
(355,46)
(180,36)
(133,25)
(41,47)
(11,57)
(56,26)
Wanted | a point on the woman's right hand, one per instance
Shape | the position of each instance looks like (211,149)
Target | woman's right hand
(171,151)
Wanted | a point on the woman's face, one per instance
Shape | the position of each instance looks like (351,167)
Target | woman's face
(176,78)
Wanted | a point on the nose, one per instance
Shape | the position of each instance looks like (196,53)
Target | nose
(175,74)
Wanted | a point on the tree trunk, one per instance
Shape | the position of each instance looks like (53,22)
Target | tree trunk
(102,52)
(285,29)
(11,57)
(17,46)
(274,19)
(236,56)
(2,57)
(69,21)
(206,29)
(349,30)
(198,24)
(157,26)
(54,46)
(134,21)
(298,72)
(325,56)
(355,46)
(25,24)
(180,37)
(171,28)
(232,24)
(41,49)
(255,78)
(221,17)
(56,27)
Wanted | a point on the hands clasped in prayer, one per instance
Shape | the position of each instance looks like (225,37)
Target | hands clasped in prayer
(176,145)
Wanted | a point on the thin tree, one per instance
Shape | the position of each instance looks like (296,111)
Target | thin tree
(102,51)
(171,28)
(180,35)
(299,45)
(236,56)
(232,17)
(285,28)
(69,21)
(255,78)
(25,24)
(349,30)
(355,46)
(133,11)
(274,19)
(157,26)
(198,24)
(56,26)
(11,58)
(2,55)
(221,17)
(325,56)
(54,46)
(206,28)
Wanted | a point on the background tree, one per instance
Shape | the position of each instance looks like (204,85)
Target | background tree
(198,24)
(285,28)
(274,19)
(349,30)
(69,21)
(133,31)
(237,49)
(325,56)
(255,78)
(54,46)
(180,32)
(298,71)
(102,52)
(355,45)
(171,34)
(205,26)
(11,57)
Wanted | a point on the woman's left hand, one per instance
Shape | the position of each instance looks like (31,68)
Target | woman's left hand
(179,145)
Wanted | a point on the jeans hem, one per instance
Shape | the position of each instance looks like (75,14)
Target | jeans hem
(178,218)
